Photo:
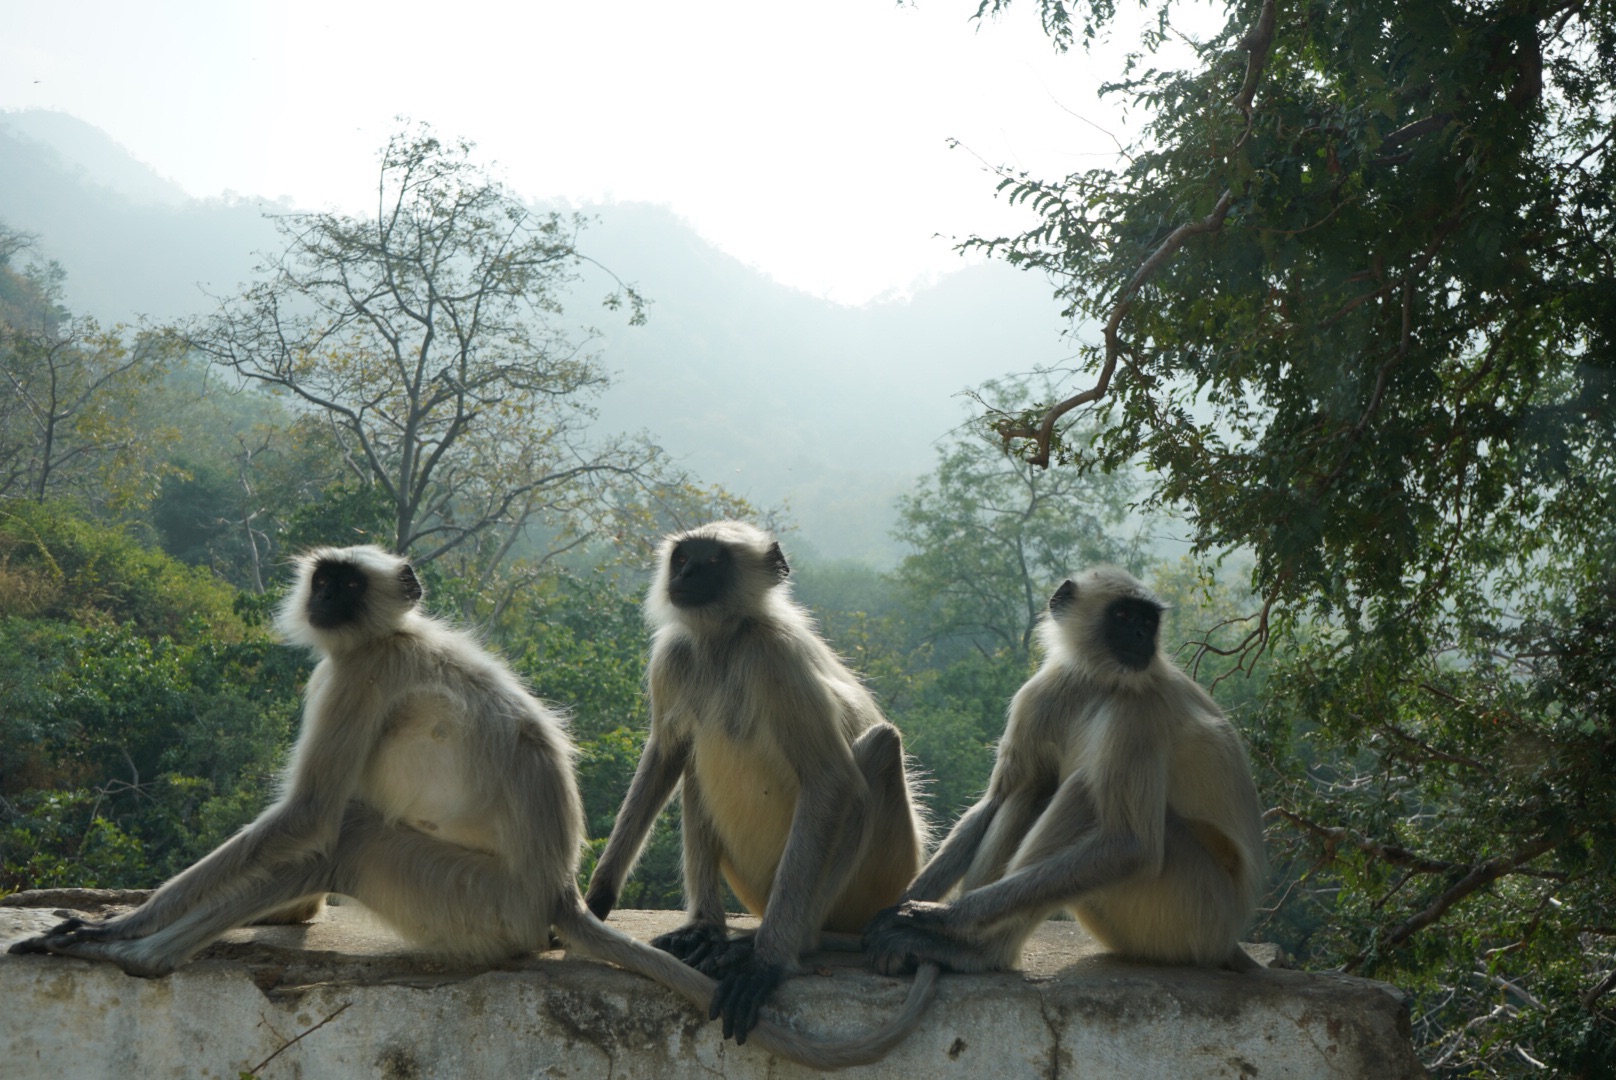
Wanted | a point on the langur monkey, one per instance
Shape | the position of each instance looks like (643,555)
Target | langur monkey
(427,784)
(1120,792)
(793,785)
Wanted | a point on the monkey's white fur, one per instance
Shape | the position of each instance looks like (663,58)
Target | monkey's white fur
(428,784)
(1122,795)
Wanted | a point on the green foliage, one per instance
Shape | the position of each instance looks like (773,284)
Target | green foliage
(1354,292)
(993,536)
(143,720)
(54,565)
(74,420)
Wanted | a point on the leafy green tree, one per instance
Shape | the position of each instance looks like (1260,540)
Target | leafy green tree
(1350,299)
(993,536)
(70,416)
(254,480)
(429,341)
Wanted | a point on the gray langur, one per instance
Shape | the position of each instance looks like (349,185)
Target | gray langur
(427,784)
(793,786)
(1120,791)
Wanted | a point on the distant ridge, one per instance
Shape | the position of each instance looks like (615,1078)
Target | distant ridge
(778,395)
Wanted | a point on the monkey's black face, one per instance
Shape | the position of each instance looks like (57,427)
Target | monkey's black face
(699,572)
(336,594)
(1130,632)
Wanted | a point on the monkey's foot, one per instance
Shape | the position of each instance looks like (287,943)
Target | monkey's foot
(693,940)
(741,993)
(29,945)
(901,950)
(67,932)
(86,944)
(910,915)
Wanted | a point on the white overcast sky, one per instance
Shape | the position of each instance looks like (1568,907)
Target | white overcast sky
(808,139)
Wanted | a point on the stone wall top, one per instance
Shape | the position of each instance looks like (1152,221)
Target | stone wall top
(344,997)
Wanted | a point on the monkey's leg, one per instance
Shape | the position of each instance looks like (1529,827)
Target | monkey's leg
(1005,835)
(833,826)
(467,903)
(1191,913)
(300,911)
(229,904)
(985,929)
(276,834)
(888,853)
(956,853)
(703,941)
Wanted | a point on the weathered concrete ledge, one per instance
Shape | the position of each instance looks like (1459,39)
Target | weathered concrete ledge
(343,998)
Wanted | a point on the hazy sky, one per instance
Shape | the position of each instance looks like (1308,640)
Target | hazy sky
(808,139)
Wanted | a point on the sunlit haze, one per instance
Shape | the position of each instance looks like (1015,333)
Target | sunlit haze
(809,140)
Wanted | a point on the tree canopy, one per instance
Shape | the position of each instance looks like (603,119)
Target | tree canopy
(1349,300)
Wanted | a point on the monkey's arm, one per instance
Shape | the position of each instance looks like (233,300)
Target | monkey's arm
(661,765)
(1093,863)
(954,857)
(703,941)
(1096,831)
(827,829)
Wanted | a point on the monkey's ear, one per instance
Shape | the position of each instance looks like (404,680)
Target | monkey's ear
(410,584)
(775,560)
(1063,595)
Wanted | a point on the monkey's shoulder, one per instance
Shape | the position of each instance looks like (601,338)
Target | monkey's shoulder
(753,650)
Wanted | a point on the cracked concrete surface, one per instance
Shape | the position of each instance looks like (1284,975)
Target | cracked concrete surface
(390,1011)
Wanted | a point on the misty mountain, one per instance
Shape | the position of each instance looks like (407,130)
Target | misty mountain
(132,242)
(778,395)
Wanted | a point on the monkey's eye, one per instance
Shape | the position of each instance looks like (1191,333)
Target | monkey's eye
(354,584)
(680,558)
(712,559)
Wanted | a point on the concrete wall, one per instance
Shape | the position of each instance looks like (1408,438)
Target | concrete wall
(354,1001)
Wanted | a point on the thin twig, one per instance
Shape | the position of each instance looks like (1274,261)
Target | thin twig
(254,1071)
(1257,43)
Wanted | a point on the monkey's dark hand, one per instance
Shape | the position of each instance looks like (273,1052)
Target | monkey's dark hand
(740,995)
(693,940)
(600,900)
(718,958)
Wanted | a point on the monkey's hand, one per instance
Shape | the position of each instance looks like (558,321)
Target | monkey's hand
(741,993)
(693,942)
(600,899)
(719,958)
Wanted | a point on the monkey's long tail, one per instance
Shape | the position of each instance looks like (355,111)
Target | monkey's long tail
(581,930)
